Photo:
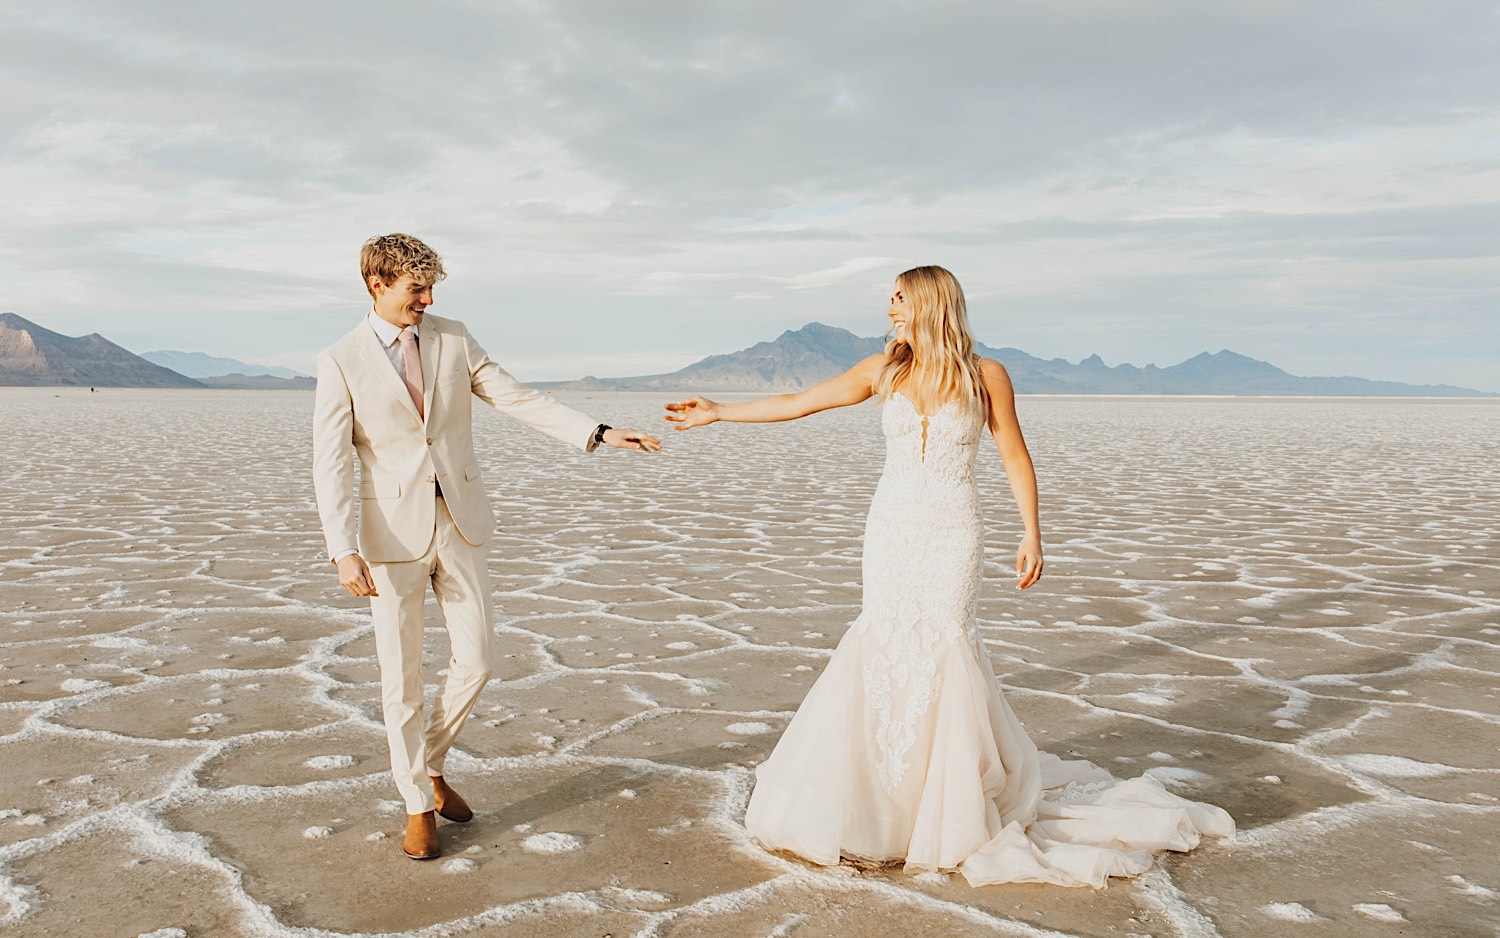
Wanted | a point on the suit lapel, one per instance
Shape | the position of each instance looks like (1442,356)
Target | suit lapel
(376,360)
(428,342)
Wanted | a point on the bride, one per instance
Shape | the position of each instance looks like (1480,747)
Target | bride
(905,749)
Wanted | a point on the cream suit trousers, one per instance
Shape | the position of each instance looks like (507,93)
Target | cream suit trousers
(460,581)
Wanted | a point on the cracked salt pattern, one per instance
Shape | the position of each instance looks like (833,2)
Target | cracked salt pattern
(1288,608)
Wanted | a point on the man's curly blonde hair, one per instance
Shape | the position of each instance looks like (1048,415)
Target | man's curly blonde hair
(391,256)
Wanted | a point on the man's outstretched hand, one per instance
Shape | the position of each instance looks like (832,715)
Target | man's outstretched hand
(631,439)
(354,576)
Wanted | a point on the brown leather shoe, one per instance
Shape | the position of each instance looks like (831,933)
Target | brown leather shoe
(450,804)
(421,841)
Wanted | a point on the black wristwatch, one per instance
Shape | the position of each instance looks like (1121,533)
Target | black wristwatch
(599,432)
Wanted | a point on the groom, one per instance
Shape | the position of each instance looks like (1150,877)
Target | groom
(397,391)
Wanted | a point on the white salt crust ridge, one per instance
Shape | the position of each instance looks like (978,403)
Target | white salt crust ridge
(1473,890)
(328,763)
(774,549)
(1162,894)
(552,842)
(1379,911)
(78,685)
(635,898)
(1291,912)
(784,927)
(16,901)
(838,879)
(1178,777)
(750,729)
(1396,766)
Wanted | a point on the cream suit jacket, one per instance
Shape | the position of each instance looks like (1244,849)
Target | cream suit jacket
(363,409)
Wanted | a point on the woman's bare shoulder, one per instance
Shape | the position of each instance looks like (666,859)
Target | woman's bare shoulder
(993,371)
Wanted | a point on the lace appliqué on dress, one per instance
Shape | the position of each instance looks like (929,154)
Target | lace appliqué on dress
(922,572)
(905,663)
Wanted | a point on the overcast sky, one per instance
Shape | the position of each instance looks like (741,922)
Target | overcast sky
(624,187)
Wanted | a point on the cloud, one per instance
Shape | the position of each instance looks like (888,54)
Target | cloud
(1146,180)
(832,275)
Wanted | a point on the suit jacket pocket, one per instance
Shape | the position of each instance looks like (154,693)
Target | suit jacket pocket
(381,489)
(471,473)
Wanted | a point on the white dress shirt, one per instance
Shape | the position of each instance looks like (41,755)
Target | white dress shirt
(389,335)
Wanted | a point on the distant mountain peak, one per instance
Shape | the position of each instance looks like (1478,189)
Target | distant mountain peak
(1224,354)
(22,324)
(821,329)
(31,355)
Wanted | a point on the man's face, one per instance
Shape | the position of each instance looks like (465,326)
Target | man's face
(403,302)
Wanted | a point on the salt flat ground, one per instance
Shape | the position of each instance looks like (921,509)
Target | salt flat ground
(1290,608)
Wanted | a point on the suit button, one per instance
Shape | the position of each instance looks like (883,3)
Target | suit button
(432,478)
(429,441)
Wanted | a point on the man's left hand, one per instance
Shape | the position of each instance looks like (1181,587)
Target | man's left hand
(630,439)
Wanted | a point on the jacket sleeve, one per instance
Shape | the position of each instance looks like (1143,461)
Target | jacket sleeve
(494,385)
(333,457)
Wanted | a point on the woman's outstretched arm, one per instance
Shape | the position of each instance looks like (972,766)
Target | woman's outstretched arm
(1006,429)
(851,387)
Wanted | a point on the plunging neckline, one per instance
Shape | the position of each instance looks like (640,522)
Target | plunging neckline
(926,418)
(910,403)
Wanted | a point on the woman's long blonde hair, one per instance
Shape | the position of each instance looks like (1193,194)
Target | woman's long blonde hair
(938,339)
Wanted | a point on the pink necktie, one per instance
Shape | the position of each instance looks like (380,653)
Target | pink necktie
(411,369)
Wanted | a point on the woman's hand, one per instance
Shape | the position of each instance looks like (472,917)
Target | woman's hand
(1029,561)
(697,412)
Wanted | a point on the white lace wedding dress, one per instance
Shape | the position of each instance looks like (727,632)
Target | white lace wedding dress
(906,749)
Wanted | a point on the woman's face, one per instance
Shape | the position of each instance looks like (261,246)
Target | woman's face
(899,312)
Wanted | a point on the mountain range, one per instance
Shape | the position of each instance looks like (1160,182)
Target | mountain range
(199,365)
(31,355)
(803,357)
